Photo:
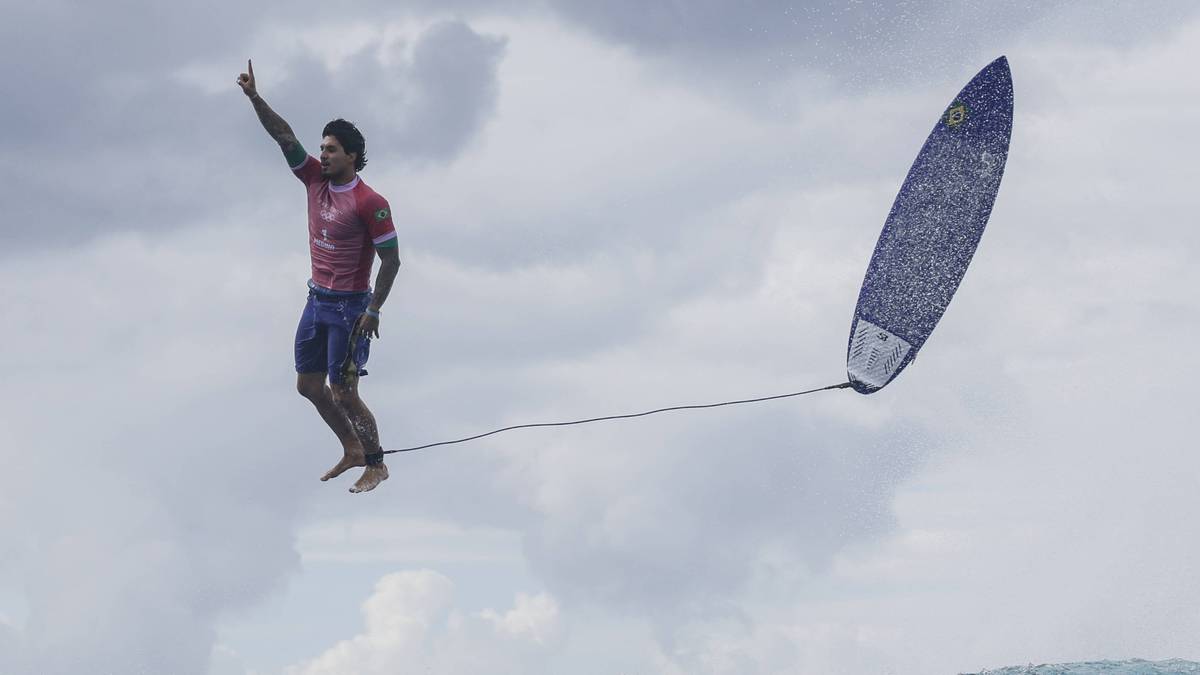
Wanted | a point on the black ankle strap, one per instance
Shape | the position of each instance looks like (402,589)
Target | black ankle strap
(374,458)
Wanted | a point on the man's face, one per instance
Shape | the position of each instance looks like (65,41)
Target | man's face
(334,160)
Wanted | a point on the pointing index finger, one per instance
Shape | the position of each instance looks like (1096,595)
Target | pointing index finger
(250,67)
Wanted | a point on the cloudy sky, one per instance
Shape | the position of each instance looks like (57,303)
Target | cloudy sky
(603,208)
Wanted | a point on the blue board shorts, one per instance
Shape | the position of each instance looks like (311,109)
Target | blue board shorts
(323,335)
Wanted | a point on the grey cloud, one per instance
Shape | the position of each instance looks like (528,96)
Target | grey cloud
(138,584)
(858,43)
(454,89)
(710,499)
(75,64)
(158,159)
(418,109)
(11,659)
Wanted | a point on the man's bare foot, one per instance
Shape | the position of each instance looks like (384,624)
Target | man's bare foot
(370,479)
(351,459)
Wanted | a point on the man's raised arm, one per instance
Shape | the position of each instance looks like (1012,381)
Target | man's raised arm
(271,121)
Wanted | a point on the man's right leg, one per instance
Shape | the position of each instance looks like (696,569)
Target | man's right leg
(312,387)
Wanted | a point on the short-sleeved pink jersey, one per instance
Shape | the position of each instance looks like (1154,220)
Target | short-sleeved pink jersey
(345,225)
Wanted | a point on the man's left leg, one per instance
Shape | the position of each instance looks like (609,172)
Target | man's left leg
(345,394)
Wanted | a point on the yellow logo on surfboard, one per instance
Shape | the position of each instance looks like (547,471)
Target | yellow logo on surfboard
(956,115)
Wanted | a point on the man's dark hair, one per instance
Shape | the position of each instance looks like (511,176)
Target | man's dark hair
(351,139)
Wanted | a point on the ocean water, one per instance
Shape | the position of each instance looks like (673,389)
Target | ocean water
(1131,667)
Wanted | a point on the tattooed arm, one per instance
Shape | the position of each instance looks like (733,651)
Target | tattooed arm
(271,121)
(389,265)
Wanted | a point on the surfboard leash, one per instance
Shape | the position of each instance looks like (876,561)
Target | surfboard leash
(843,385)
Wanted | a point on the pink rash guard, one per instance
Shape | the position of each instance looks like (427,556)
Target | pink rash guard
(346,223)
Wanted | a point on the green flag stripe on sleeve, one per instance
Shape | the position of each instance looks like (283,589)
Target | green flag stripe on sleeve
(295,155)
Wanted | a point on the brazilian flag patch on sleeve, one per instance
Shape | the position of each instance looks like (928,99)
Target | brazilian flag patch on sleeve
(382,214)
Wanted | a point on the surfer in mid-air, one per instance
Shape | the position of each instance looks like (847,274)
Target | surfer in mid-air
(348,225)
